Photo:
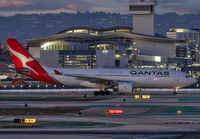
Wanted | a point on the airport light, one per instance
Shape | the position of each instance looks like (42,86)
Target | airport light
(30,121)
(27,121)
(179,112)
(114,111)
(142,96)
(90,122)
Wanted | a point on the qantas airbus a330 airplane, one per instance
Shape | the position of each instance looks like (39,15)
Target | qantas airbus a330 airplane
(123,80)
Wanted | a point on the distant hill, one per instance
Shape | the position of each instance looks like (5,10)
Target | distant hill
(42,25)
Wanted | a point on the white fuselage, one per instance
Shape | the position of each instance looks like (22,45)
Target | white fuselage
(141,78)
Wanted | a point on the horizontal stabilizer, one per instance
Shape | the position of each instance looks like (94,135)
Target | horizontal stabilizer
(21,70)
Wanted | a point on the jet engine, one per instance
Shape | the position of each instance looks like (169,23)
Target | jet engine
(125,87)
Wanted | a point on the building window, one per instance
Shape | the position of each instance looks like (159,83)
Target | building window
(81,31)
(139,7)
(123,30)
(77,59)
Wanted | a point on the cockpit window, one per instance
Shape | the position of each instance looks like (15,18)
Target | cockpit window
(188,76)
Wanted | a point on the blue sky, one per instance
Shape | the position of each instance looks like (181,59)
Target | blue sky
(10,7)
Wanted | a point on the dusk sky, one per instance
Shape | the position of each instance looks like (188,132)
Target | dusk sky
(11,7)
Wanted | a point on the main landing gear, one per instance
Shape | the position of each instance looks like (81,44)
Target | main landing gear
(102,93)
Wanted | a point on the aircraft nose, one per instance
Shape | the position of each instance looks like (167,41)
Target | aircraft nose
(193,80)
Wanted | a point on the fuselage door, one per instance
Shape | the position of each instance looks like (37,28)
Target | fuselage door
(88,74)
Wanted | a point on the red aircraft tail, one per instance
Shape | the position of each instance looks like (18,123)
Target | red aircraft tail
(25,64)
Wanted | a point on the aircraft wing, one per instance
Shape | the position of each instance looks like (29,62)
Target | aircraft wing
(91,79)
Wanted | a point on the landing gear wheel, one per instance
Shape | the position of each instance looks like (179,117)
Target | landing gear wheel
(174,93)
(96,93)
(102,93)
(108,93)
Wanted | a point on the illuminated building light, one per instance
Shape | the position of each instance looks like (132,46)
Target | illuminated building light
(38,86)
(54,85)
(157,59)
(29,86)
(178,30)
(105,51)
(45,45)
(13,86)
(117,56)
(4,86)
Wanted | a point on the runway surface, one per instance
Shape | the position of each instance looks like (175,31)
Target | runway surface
(161,116)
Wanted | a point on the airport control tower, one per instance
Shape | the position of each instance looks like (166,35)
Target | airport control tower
(143,16)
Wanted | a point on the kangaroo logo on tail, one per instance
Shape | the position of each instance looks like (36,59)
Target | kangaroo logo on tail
(23,59)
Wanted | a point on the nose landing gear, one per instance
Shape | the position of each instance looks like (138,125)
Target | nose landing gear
(175,91)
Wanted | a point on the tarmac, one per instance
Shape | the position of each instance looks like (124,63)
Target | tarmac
(161,116)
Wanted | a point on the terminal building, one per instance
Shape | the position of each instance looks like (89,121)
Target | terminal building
(113,47)
(191,47)
(191,35)
(103,48)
